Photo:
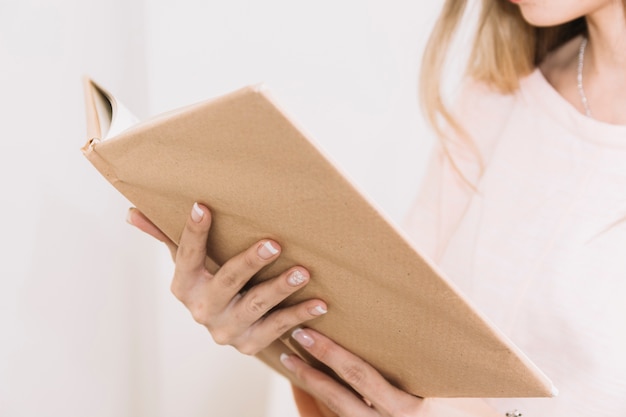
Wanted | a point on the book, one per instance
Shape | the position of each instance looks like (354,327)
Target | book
(262,177)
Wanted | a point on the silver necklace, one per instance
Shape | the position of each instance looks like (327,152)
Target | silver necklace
(581,90)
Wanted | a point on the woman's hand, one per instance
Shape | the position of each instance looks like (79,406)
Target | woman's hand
(376,397)
(242,320)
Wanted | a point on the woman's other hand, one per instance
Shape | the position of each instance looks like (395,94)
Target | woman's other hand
(233,317)
(373,395)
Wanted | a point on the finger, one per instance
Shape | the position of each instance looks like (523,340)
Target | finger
(192,246)
(335,396)
(139,220)
(266,295)
(271,327)
(238,270)
(361,376)
(136,218)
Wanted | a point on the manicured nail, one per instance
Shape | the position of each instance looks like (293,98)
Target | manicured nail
(128,217)
(286,360)
(267,250)
(318,311)
(196,213)
(303,337)
(296,278)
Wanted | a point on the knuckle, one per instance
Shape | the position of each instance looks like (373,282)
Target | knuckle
(221,337)
(199,313)
(186,252)
(249,349)
(353,374)
(251,259)
(333,403)
(256,306)
(280,324)
(324,351)
(227,278)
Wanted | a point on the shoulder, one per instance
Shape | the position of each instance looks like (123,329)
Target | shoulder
(476,98)
(482,112)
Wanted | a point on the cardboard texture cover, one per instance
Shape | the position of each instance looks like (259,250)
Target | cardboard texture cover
(262,178)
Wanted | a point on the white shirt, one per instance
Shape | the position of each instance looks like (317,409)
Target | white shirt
(540,247)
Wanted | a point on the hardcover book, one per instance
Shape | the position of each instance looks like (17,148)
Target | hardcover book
(262,177)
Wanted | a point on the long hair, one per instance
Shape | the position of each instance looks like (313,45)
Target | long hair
(505,49)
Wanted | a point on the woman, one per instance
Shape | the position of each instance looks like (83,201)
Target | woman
(529,175)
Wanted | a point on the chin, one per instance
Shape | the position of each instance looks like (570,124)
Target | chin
(540,14)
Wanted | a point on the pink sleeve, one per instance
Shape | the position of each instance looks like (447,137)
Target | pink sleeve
(439,205)
(444,193)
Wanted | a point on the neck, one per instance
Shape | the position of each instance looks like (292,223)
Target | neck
(605,63)
(607,37)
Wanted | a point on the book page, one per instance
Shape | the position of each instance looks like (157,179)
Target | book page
(122,119)
(113,116)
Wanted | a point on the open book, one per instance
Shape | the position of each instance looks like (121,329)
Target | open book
(240,155)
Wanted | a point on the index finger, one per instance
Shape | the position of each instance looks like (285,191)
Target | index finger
(140,221)
(360,375)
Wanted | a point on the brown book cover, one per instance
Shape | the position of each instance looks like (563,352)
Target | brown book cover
(261,176)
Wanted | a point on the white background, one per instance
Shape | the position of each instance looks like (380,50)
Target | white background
(87,324)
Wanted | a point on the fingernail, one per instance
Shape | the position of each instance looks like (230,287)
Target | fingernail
(303,337)
(267,250)
(296,278)
(286,360)
(128,217)
(196,213)
(318,310)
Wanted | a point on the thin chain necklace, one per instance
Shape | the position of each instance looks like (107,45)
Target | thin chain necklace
(581,90)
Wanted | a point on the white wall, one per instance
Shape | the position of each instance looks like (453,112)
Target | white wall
(345,70)
(87,324)
(72,340)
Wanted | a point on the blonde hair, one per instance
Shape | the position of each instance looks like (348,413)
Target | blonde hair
(506,48)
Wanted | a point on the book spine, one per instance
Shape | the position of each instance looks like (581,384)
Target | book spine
(106,169)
